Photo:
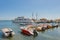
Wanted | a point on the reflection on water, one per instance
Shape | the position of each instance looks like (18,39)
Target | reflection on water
(50,34)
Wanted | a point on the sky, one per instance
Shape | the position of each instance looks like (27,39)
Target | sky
(10,9)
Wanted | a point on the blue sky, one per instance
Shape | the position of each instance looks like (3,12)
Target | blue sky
(10,9)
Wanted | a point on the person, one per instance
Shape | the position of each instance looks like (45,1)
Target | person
(35,33)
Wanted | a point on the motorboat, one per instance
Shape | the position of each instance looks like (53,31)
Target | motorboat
(55,25)
(8,32)
(43,27)
(28,30)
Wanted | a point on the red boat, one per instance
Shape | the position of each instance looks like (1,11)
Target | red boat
(27,31)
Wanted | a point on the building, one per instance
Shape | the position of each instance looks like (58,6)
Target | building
(57,20)
(43,20)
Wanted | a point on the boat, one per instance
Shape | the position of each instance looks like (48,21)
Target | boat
(23,21)
(55,25)
(28,30)
(49,26)
(43,27)
(39,28)
(8,32)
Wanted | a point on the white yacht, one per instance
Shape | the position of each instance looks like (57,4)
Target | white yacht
(23,21)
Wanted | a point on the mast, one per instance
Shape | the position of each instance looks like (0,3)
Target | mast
(36,16)
(32,16)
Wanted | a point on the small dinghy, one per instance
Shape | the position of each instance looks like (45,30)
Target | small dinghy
(7,32)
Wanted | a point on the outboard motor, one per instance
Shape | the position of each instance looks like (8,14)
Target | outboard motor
(10,34)
(35,33)
(43,28)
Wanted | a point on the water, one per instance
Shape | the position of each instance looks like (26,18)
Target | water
(51,34)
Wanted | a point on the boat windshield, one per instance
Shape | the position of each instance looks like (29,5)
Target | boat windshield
(11,31)
(7,32)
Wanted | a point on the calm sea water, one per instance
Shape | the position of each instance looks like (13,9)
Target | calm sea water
(51,34)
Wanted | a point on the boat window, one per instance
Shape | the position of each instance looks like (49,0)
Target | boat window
(19,19)
(7,32)
(25,19)
(11,31)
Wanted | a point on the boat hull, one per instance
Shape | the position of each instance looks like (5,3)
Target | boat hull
(26,32)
